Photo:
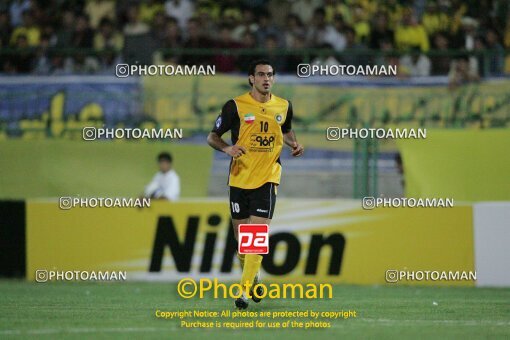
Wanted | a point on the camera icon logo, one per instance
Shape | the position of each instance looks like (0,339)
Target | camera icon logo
(41,276)
(304,70)
(65,203)
(333,133)
(122,70)
(368,203)
(89,133)
(391,276)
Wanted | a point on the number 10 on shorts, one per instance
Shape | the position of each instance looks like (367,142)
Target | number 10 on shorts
(253,239)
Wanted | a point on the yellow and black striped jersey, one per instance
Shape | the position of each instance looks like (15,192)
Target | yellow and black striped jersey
(259,128)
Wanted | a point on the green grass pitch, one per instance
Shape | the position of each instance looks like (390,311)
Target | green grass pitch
(127,310)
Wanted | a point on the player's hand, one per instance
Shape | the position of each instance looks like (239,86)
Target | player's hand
(297,149)
(235,151)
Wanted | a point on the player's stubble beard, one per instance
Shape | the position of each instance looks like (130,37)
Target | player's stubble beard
(262,91)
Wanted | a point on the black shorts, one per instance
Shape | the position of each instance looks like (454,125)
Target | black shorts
(252,202)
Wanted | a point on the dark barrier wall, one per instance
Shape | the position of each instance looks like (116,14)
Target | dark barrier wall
(12,239)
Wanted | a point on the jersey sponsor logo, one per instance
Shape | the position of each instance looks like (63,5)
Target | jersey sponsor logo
(278,117)
(249,118)
(218,122)
(262,142)
(262,211)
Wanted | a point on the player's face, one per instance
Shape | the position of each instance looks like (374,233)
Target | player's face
(263,79)
(164,166)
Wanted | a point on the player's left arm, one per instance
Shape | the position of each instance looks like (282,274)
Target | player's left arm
(289,137)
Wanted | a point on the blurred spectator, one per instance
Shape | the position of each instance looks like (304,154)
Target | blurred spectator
(461,73)
(5,29)
(434,20)
(83,36)
(149,8)
(159,24)
(478,61)
(279,9)
(327,59)
(335,8)
(249,40)
(380,31)
(166,183)
(305,9)
(390,57)
(355,53)
(108,60)
(207,23)
(410,33)
(40,16)
(16,10)
(271,49)
(172,38)
(42,57)
(254,4)
(394,11)
(506,34)
(134,25)
(225,62)
(415,64)
(441,60)
(507,44)
(84,64)
(60,65)
(496,52)
(25,57)
(266,28)
(66,29)
(107,37)
(180,9)
(320,32)
(49,32)
(465,37)
(293,60)
(293,28)
(476,26)
(210,9)
(28,29)
(97,10)
(195,39)
(360,24)
(230,17)
(459,10)
(247,24)
(339,23)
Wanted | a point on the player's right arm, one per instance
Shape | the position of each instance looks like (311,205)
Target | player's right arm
(225,122)
(151,188)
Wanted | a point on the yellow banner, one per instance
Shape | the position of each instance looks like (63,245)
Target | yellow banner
(466,165)
(52,168)
(329,241)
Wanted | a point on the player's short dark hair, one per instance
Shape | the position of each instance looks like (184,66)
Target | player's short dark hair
(253,66)
(165,156)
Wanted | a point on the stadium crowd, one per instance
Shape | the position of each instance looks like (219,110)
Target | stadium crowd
(424,37)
